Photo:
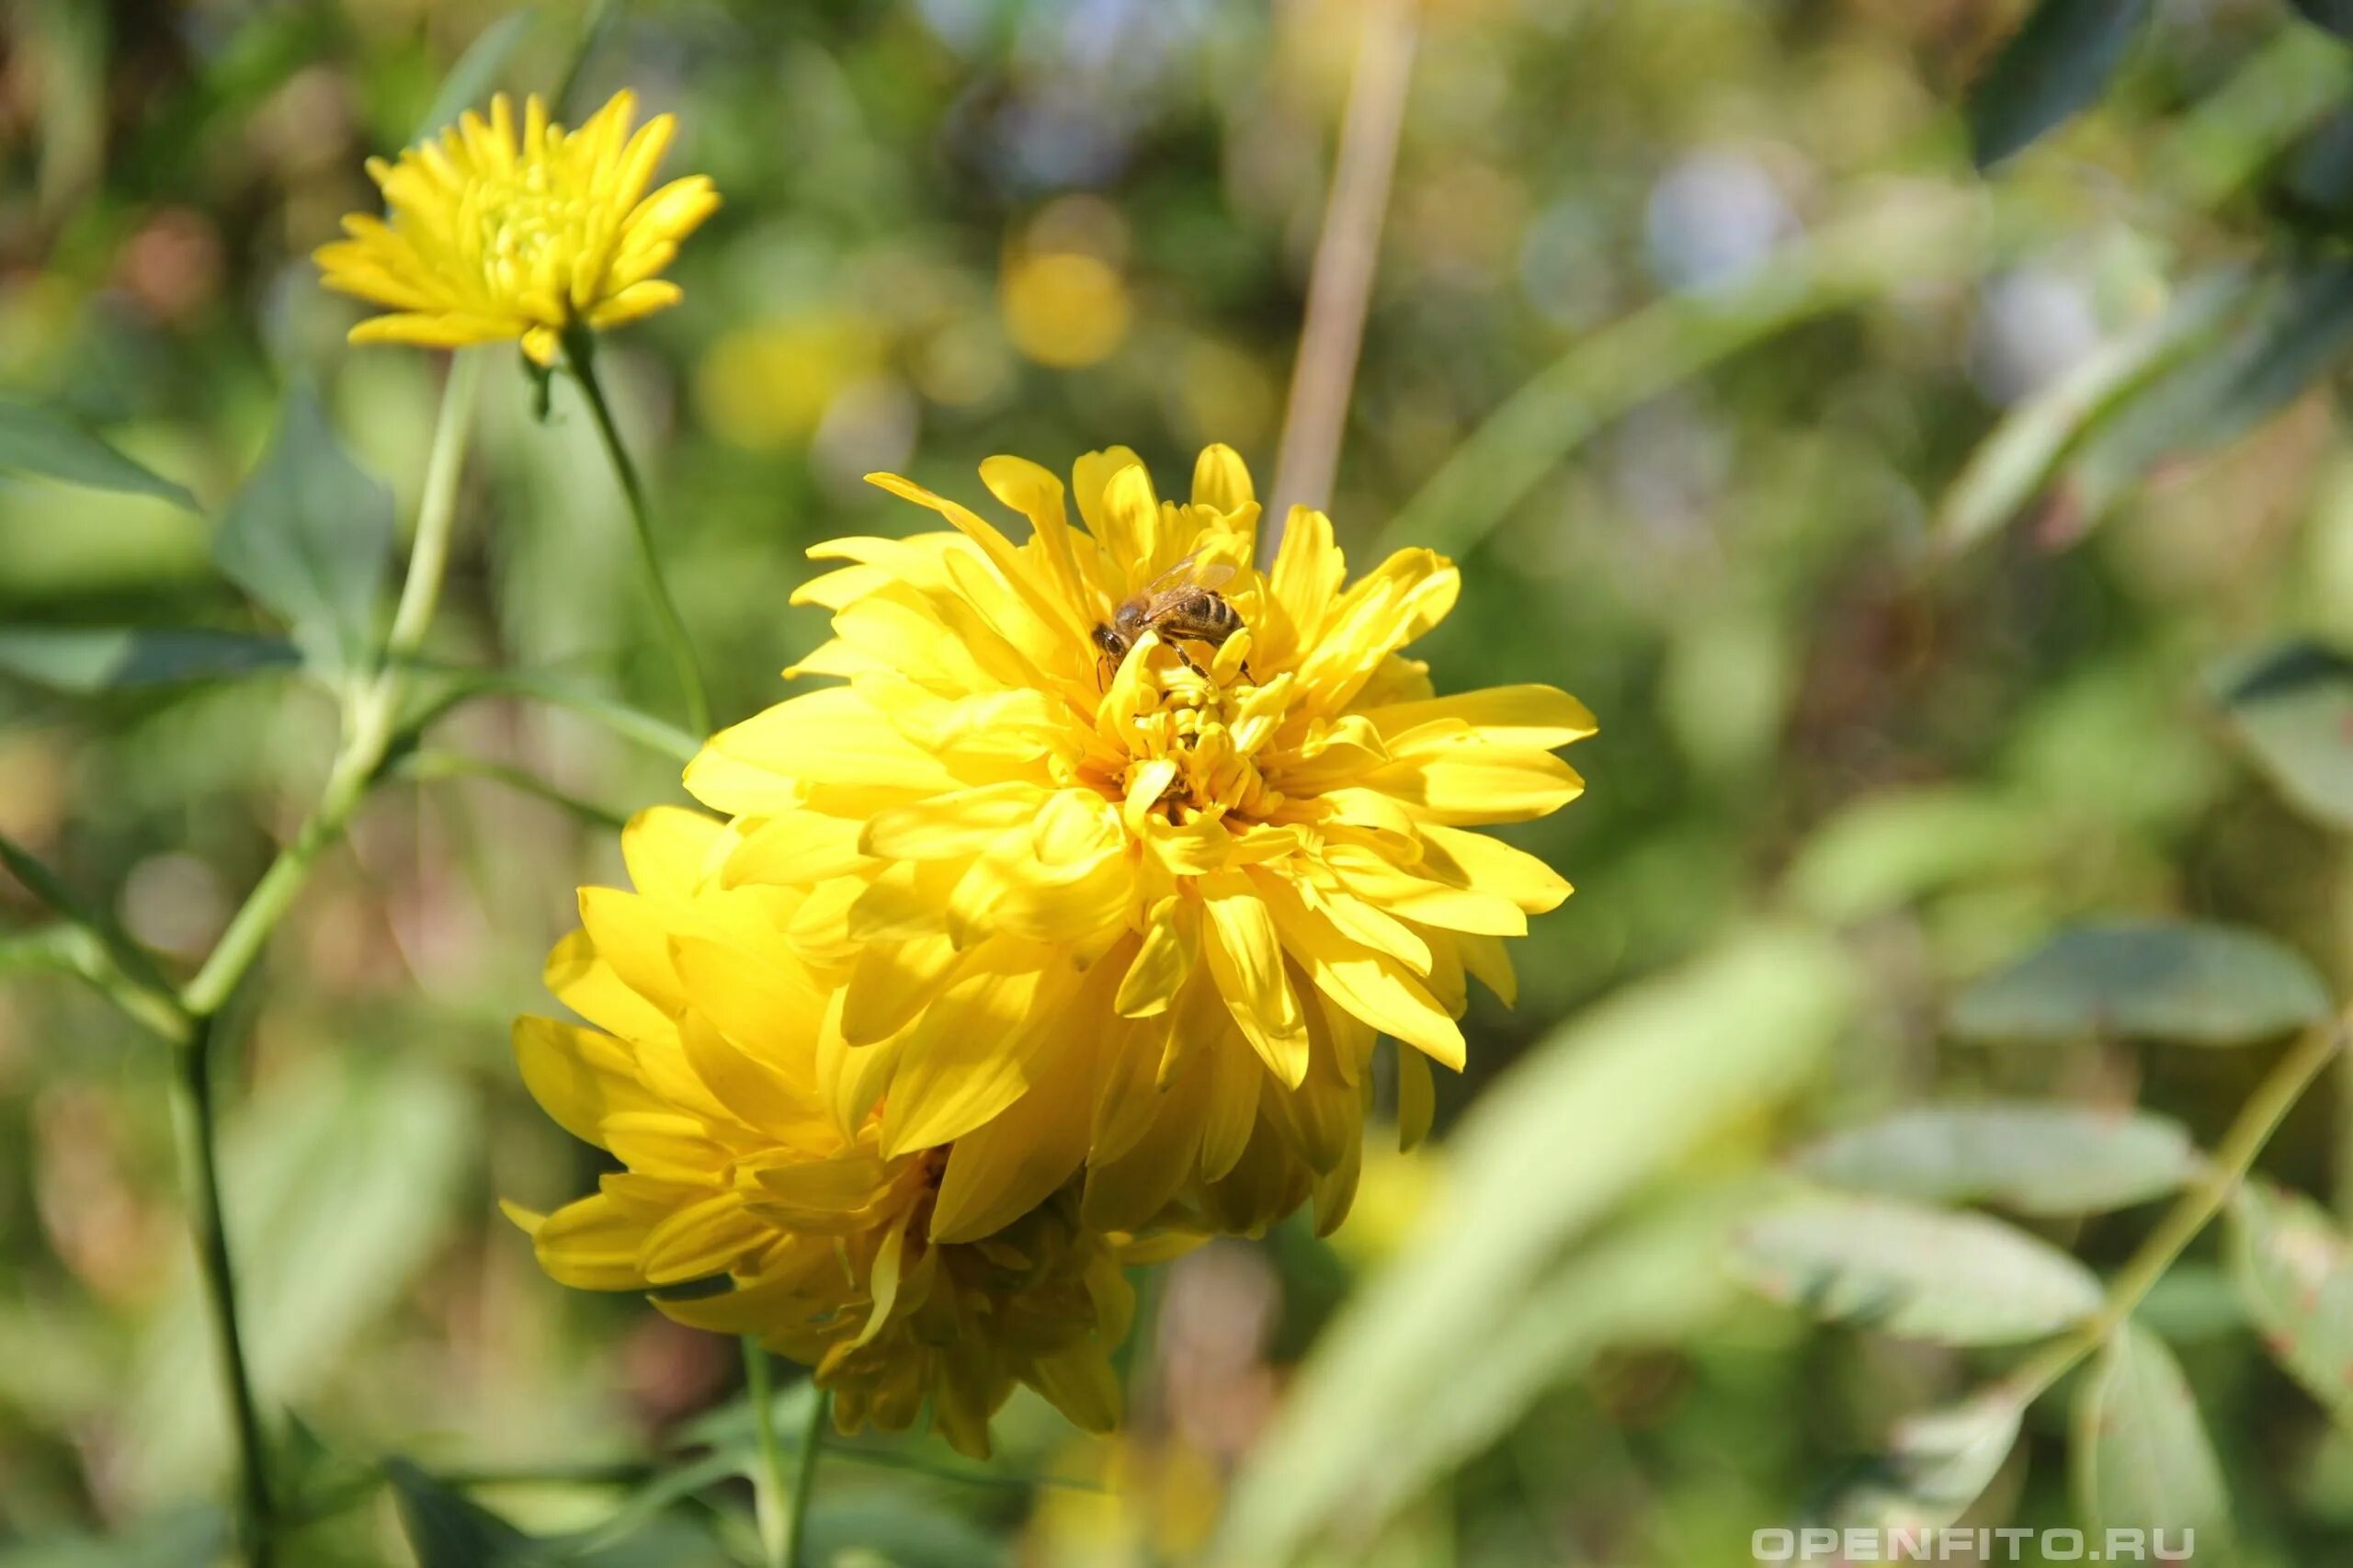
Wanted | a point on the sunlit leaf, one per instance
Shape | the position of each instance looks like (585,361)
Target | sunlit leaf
(310,537)
(2296,328)
(2185,981)
(2141,1457)
(2058,63)
(2011,467)
(1915,1273)
(446,1530)
(2292,707)
(46,444)
(470,81)
(1934,1466)
(1888,850)
(1654,1279)
(340,1182)
(1573,1130)
(2032,1158)
(87,659)
(2294,1273)
(907,1531)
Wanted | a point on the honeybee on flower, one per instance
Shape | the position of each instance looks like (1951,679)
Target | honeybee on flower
(1132,909)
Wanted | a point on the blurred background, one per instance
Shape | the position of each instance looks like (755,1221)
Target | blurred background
(1711,311)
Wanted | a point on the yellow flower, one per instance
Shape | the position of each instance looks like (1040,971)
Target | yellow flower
(489,241)
(1140,917)
(704,1078)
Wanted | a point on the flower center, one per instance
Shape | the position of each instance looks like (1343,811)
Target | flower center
(1197,729)
(530,231)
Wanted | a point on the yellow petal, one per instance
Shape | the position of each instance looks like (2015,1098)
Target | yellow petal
(1246,959)
(1164,963)
(592,1245)
(579,1076)
(1000,1171)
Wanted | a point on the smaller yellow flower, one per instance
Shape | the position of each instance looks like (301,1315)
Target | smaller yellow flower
(488,240)
(706,1075)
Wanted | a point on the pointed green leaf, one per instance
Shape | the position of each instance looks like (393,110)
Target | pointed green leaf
(2141,1458)
(310,537)
(82,659)
(2290,705)
(2058,63)
(2294,1273)
(46,444)
(2183,980)
(2337,15)
(2031,1158)
(1934,1466)
(1911,1272)
(447,1530)
(2295,329)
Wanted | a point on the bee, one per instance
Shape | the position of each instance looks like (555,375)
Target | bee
(1182,602)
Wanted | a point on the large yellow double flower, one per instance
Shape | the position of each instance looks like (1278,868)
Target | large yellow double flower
(1138,927)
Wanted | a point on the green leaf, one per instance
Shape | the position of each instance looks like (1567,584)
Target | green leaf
(1889,849)
(2185,981)
(195,1533)
(310,537)
(470,81)
(905,1531)
(341,1181)
(2058,63)
(1911,1272)
(89,659)
(2012,465)
(1935,1465)
(1654,1279)
(2141,1457)
(2293,1272)
(46,444)
(1605,1105)
(2337,15)
(448,1530)
(2031,1158)
(2292,707)
(2297,327)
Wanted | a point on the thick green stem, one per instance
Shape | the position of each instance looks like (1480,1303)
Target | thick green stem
(368,721)
(192,1112)
(769,1484)
(580,351)
(2233,1158)
(805,1481)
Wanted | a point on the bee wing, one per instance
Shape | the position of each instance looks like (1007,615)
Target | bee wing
(1187,573)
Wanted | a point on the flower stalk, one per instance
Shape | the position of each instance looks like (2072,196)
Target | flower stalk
(197,1126)
(2264,1110)
(367,734)
(580,353)
(769,1480)
(805,1481)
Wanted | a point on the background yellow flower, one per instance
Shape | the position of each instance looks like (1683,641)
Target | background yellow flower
(490,238)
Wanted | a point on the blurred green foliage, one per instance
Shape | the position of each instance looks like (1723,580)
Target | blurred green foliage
(1951,558)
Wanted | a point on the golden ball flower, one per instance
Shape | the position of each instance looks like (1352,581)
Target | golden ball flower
(1133,898)
(706,1072)
(489,238)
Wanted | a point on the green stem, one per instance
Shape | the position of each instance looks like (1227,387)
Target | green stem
(2233,1158)
(804,1479)
(368,721)
(580,351)
(192,1112)
(768,1487)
